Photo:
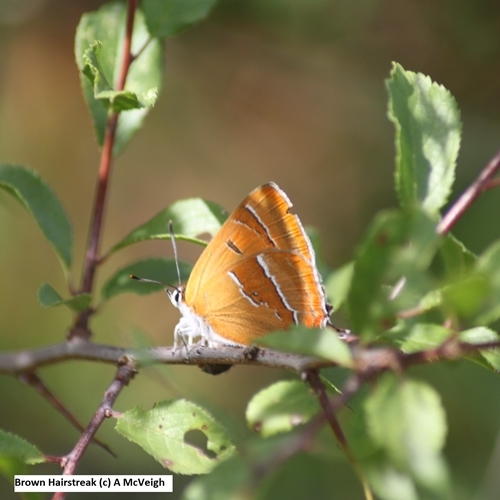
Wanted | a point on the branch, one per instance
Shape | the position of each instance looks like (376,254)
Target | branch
(304,438)
(368,361)
(317,385)
(123,376)
(92,258)
(34,381)
(483,182)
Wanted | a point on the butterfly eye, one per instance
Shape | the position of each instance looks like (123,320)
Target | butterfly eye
(175,296)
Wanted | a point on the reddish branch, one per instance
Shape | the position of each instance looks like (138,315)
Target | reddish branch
(123,376)
(34,381)
(483,182)
(92,256)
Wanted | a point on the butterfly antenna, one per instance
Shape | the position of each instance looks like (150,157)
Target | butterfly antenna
(146,280)
(174,245)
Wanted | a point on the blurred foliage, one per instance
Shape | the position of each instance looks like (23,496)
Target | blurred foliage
(284,90)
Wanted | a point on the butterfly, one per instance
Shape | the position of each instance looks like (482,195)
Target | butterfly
(257,275)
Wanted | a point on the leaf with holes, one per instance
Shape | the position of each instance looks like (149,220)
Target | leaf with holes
(281,407)
(165,432)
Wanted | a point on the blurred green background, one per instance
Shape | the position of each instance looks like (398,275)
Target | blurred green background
(284,90)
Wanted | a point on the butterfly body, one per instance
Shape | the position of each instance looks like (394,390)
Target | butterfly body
(258,274)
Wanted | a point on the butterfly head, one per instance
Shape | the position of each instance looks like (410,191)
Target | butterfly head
(175,294)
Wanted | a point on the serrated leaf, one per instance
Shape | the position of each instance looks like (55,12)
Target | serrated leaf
(425,336)
(16,447)
(337,285)
(190,218)
(161,432)
(428,129)
(99,64)
(158,269)
(168,17)
(481,335)
(397,250)
(48,297)
(406,419)
(281,407)
(39,199)
(117,100)
(324,343)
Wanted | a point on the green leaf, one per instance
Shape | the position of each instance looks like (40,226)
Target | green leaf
(389,482)
(16,447)
(475,295)
(190,218)
(323,343)
(488,265)
(480,335)
(406,419)
(41,202)
(397,250)
(457,260)
(425,336)
(281,407)
(230,479)
(168,17)
(164,433)
(117,100)
(428,129)
(317,244)
(100,64)
(338,283)
(157,269)
(11,467)
(48,297)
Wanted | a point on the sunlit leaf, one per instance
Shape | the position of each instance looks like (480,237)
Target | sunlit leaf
(100,65)
(190,218)
(338,283)
(281,407)
(397,251)
(324,343)
(406,419)
(425,336)
(165,432)
(481,335)
(428,130)
(14,446)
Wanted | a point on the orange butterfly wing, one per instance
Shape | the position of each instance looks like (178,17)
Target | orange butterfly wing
(258,274)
